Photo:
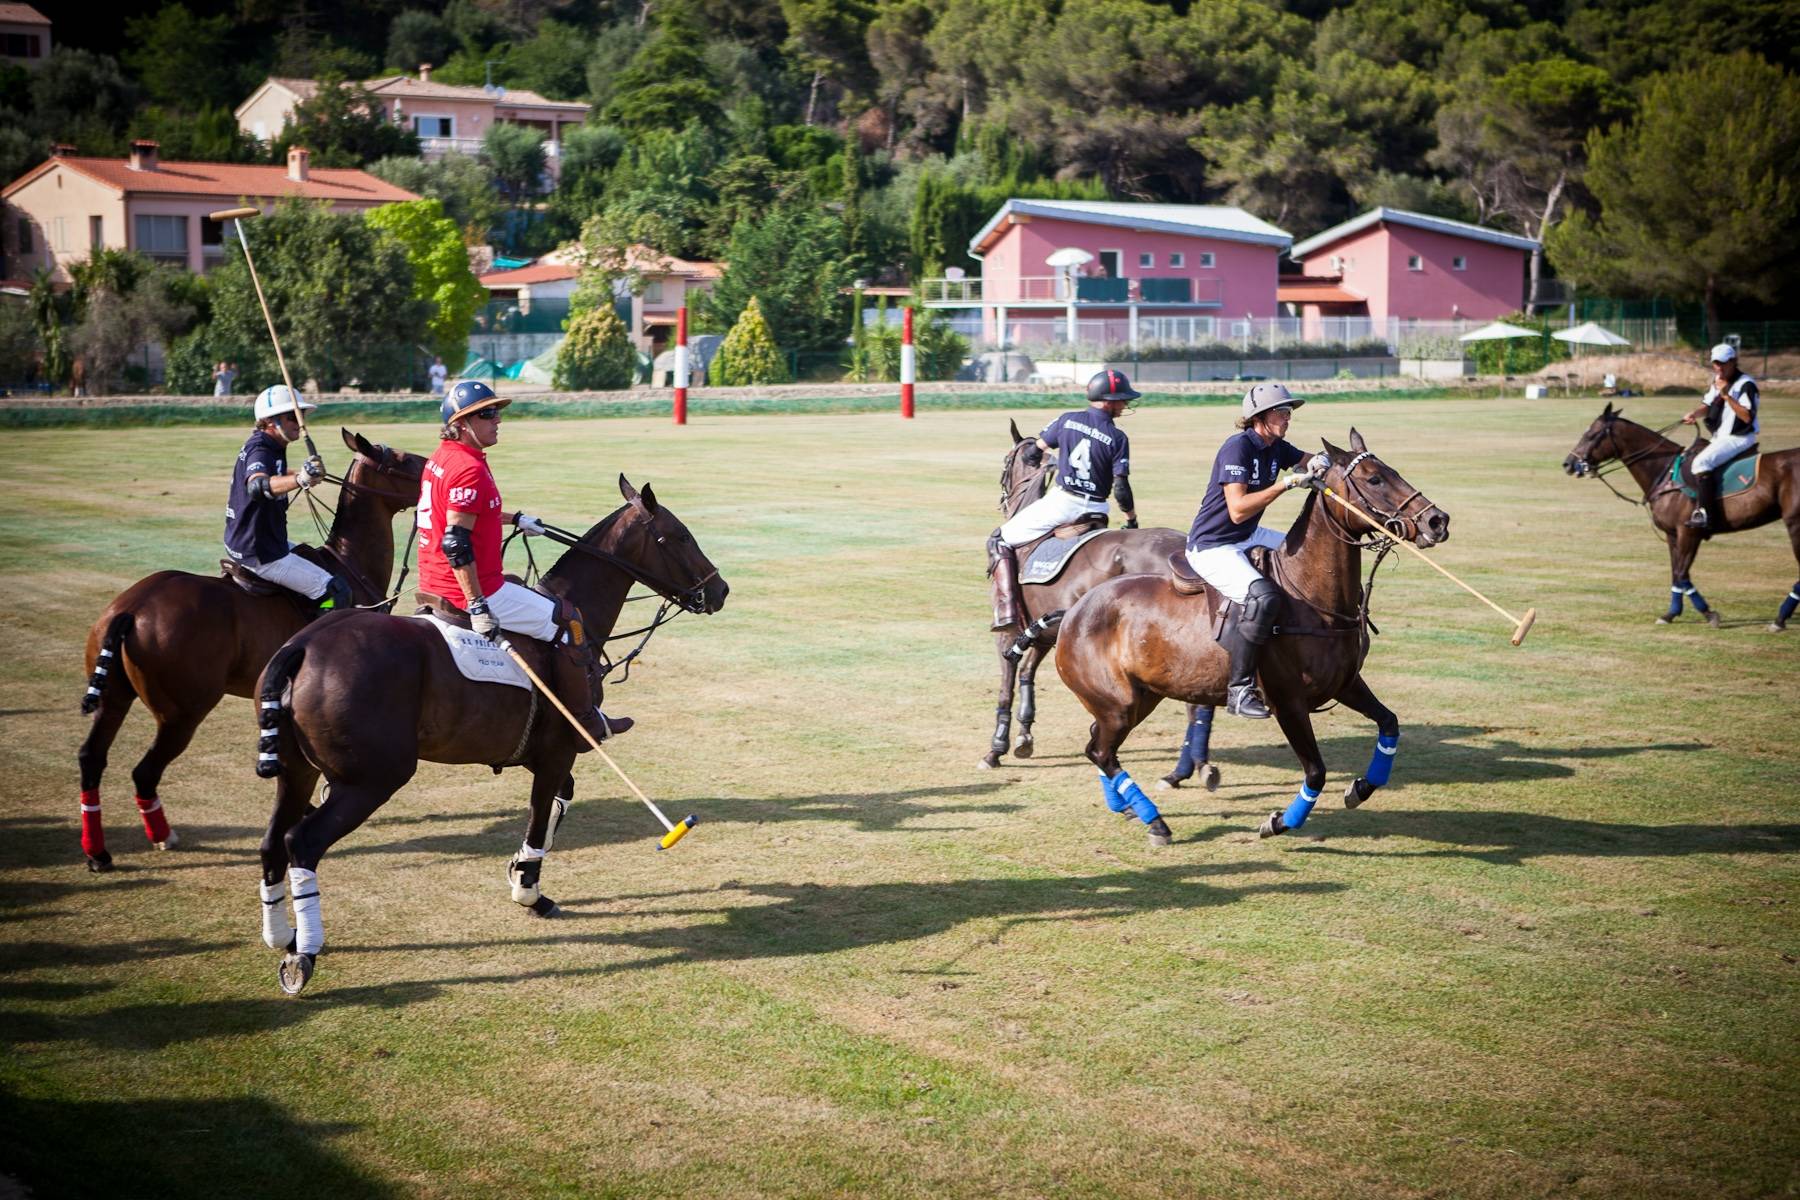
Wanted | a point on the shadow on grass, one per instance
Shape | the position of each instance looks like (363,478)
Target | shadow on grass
(1512,838)
(230,1146)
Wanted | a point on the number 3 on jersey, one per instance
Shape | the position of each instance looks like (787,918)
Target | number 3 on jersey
(1081,458)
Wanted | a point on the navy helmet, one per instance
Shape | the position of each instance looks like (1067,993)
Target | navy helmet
(468,396)
(1111,385)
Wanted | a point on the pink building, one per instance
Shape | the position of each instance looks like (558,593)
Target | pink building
(1116,273)
(69,206)
(664,284)
(1393,264)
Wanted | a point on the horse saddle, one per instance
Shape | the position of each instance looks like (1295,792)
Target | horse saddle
(1735,476)
(256,585)
(568,617)
(1043,560)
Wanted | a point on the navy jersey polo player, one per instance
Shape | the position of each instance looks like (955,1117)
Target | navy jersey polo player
(1730,413)
(1093,460)
(1246,479)
(256,510)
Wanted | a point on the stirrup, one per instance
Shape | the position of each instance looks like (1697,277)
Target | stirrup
(1697,519)
(1244,701)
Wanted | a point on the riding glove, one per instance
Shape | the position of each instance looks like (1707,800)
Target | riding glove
(528,525)
(311,471)
(1317,465)
(482,621)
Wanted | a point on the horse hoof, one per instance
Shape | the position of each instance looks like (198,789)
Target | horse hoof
(1712,618)
(168,843)
(544,906)
(296,969)
(1777,627)
(1211,778)
(1358,791)
(1271,825)
(1023,749)
(989,762)
(99,863)
(1665,619)
(1167,783)
(1160,834)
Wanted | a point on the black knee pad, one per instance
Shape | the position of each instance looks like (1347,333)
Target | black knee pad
(1259,612)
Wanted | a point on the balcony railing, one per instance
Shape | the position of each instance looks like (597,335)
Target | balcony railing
(1090,290)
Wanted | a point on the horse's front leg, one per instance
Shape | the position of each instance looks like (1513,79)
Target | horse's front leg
(552,787)
(1357,696)
(1002,710)
(1028,667)
(1296,725)
(1684,545)
(1196,751)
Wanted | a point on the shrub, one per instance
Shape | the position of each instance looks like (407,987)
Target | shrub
(749,354)
(597,355)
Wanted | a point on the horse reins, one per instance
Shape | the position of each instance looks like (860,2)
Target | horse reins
(382,467)
(1624,461)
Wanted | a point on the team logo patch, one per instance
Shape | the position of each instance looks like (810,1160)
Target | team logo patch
(462,495)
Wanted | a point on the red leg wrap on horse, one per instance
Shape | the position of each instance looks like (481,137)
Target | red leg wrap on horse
(93,834)
(156,826)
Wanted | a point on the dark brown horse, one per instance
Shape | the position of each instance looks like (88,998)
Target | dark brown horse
(1131,642)
(1115,552)
(1647,455)
(369,695)
(182,642)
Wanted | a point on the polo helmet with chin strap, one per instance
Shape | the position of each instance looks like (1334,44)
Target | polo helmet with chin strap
(468,396)
(1265,397)
(1110,385)
(275,400)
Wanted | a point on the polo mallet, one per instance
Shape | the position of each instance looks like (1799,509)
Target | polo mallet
(676,830)
(237,217)
(1521,625)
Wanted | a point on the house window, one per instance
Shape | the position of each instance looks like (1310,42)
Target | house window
(21,45)
(25,246)
(1146,259)
(653,292)
(1337,264)
(1415,263)
(212,243)
(1206,259)
(1110,263)
(1459,263)
(434,126)
(59,234)
(1177,260)
(96,234)
(163,239)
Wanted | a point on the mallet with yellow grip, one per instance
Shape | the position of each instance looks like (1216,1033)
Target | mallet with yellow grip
(676,830)
(1521,625)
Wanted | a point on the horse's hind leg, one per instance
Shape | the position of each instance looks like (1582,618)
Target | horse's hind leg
(293,790)
(1117,788)
(1296,724)
(1028,667)
(1003,709)
(1196,751)
(548,804)
(346,806)
(1357,696)
(1792,600)
(115,702)
(174,730)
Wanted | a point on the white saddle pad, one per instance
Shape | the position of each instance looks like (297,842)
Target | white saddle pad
(476,657)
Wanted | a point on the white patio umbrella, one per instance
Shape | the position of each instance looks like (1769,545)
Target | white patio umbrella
(1497,331)
(1069,256)
(1590,334)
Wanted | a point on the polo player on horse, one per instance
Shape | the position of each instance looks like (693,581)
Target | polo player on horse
(256,509)
(460,519)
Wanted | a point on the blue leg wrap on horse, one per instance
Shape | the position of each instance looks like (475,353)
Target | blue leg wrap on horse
(1199,737)
(1113,799)
(1295,816)
(1674,601)
(1381,763)
(1694,596)
(1789,605)
(1134,798)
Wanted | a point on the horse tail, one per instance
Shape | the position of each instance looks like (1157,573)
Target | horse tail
(271,708)
(106,660)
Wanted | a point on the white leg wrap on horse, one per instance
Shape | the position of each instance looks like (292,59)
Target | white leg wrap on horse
(526,853)
(303,885)
(276,930)
(522,892)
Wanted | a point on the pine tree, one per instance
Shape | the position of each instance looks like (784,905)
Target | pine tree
(597,355)
(749,354)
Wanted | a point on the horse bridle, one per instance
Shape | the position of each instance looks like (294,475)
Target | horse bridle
(1397,524)
(691,598)
(1039,477)
(1609,423)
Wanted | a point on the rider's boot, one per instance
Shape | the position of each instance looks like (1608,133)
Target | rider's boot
(1003,565)
(1708,515)
(576,681)
(337,595)
(1246,633)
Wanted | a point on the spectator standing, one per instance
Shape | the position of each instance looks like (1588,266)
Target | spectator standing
(438,374)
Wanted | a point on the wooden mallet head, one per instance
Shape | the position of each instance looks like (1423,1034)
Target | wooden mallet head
(233,214)
(1524,628)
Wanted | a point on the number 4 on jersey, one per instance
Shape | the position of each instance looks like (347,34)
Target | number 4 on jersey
(1081,458)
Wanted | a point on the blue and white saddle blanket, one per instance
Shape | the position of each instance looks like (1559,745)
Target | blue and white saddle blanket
(1053,554)
(476,657)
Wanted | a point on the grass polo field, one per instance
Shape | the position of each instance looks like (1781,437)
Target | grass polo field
(1556,957)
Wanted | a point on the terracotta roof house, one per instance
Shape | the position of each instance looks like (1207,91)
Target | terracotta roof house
(666,283)
(1392,264)
(69,205)
(1115,272)
(448,118)
(24,36)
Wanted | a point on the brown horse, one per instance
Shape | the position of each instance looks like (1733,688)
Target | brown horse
(1647,455)
(1131,642)
(183,642)
(370,695)
(1116,552)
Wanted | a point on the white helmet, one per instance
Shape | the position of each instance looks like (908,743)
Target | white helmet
(1264,396)
(278,399)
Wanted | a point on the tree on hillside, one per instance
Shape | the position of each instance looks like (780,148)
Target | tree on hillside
(343,125)
(1289,160)
(341,293)
(121,312)
(749,354)
(181,59)
(1517,144)
(668,84)
(416,37)
(516,156)
(462,183)
(441,274)
(791,259)
(210,135)
(1696,196)
(826,39)
(82,98)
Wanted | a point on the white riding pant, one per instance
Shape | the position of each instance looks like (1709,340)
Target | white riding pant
(1228,567)
(1057,507)
(294,573)
(521,610)
(1723,449)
